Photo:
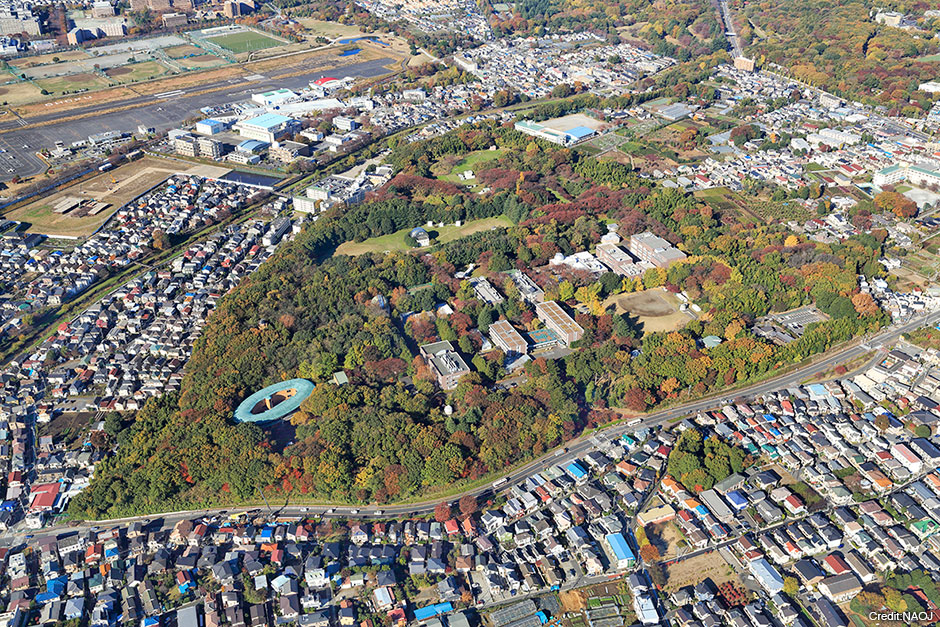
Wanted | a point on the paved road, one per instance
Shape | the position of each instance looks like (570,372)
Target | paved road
(160,111)
(730,33)
(575,449)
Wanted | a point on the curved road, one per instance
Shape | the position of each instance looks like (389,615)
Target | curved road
(575,448)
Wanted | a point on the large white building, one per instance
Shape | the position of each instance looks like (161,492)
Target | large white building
(913,174)
(269,127)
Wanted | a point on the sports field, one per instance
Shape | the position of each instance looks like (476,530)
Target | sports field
(137,72)
(244,41)
(116,188)
(183,50)
(656,309)
(200,61)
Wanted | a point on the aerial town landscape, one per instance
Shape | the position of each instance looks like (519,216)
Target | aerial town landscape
(546,313)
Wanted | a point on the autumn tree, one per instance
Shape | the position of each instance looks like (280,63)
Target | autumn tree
(468,504)
(442,512)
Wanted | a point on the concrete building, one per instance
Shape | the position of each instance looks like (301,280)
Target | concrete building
(616,258)
(445,363)
(102,8)
(172,20)
(269,127)
(555,318)
(485,291)
(655,250)
(344,123)
(507,338)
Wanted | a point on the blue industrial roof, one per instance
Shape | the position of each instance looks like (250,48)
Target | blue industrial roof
(619,546)
(251,145)
(580,132)
(268,121)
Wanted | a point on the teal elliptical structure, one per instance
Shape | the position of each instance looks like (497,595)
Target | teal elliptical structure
(274,402)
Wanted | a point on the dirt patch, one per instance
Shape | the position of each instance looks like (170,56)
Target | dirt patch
(571,600)
(693,570)
(649,304)
(666,537)
(119,71)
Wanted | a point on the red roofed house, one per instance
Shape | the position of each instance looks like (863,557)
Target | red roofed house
(43,497)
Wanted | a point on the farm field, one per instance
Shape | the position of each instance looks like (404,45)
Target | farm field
(244,41)
(656,309)
(396,241)
(116,187)
(75,82)
(138,72)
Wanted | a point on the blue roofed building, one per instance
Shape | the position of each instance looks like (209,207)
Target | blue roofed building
(579,132)
(621,550)
(577,471)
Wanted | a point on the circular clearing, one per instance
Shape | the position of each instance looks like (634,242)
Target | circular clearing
(274,402)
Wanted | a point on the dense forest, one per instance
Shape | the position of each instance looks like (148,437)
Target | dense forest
(387,435)
(837,46)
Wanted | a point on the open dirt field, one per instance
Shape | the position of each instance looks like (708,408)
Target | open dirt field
(46,59)
(693,570)
(117,188)
(657,309)
(178,52)
(137,72)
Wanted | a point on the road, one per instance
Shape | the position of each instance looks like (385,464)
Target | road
(575,449)
(730,33)
(160,111)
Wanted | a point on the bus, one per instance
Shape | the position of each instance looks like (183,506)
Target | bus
(500,483)
(634,422)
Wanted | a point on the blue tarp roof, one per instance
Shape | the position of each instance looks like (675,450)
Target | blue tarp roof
(432,610)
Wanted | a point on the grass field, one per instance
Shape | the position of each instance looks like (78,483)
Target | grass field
(933,57)
(16,94)
(71,84)
(396,241)
(200,61)
(470,162)
(138,72)
(244,41)
(117,187)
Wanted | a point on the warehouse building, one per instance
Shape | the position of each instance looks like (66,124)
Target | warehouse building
(269,127)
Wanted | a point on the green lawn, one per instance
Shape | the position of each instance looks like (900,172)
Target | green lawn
(933,57)
(396,240)
(470,162)
(813,167)
(244,41)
